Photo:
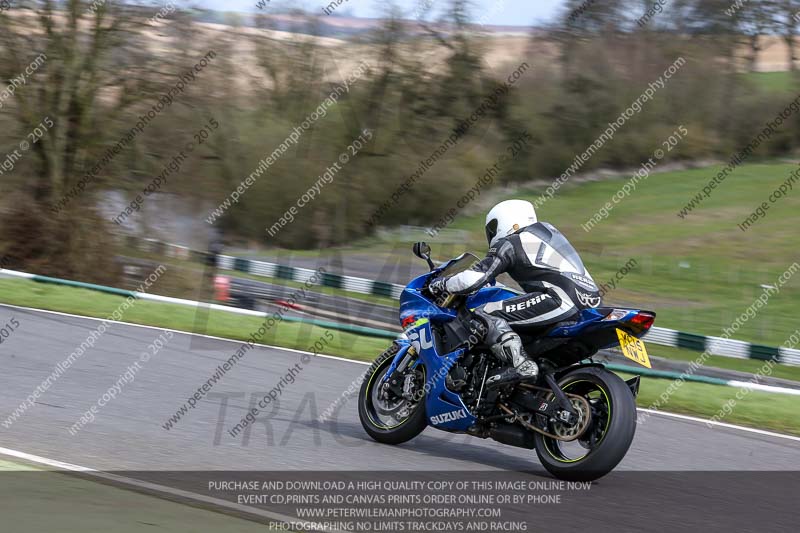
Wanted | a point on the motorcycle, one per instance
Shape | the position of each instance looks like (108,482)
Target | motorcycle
(579,417)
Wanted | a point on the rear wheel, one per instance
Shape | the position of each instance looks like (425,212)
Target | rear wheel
(389,417)
(605,442)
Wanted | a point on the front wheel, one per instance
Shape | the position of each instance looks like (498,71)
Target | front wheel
(606,441)
(392,414)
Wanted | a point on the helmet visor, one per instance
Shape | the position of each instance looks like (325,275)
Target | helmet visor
(491,230)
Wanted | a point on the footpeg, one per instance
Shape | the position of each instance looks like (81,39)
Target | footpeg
(526,371)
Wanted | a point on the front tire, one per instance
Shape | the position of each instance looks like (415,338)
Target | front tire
(379,416)
(607,439)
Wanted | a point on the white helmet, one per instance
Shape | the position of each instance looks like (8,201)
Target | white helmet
(507,217)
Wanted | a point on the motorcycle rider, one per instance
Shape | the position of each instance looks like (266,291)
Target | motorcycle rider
(543,262)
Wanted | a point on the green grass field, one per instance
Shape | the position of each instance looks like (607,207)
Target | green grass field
(697,273)
(781,81)
(762,410)
(768,411)
(751,366)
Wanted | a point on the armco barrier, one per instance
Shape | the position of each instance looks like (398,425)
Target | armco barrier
(274,270)
(366,331)
(358,330)
(657,335)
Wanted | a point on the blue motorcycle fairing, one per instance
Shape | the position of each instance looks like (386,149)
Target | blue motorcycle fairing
(444,409)
(486,295)
(589,321)
(414,306)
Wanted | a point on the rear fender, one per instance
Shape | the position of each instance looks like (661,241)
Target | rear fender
(633,383)
(563,372)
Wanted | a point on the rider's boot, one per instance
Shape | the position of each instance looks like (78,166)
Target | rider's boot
(509,349)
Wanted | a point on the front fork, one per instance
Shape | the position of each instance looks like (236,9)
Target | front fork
(393,379)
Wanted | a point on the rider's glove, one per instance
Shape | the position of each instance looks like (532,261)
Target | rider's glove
(438,286)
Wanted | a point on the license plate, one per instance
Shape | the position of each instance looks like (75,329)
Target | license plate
(633,348)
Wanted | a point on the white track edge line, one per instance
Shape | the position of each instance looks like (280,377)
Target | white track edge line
(149,486)
(749,385)
(721,424)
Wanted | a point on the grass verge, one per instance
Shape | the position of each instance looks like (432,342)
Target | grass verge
(751,366)
(757,409)
(762,410)
(215,323)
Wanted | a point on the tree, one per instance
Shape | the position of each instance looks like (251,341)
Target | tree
(581,21)
(788,16)
(758,18)
(96,69)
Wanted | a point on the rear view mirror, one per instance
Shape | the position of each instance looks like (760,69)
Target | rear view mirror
(423,251)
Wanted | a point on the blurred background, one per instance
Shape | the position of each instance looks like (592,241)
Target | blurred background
(142,119)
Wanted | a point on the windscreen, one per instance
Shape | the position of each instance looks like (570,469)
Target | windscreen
(460,264)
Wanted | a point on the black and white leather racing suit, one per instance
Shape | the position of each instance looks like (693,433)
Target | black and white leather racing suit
(557,285)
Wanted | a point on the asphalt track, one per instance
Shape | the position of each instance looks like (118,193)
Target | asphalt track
(127,434)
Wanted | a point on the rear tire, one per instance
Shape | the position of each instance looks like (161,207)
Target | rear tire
(405,430)
(618,427)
